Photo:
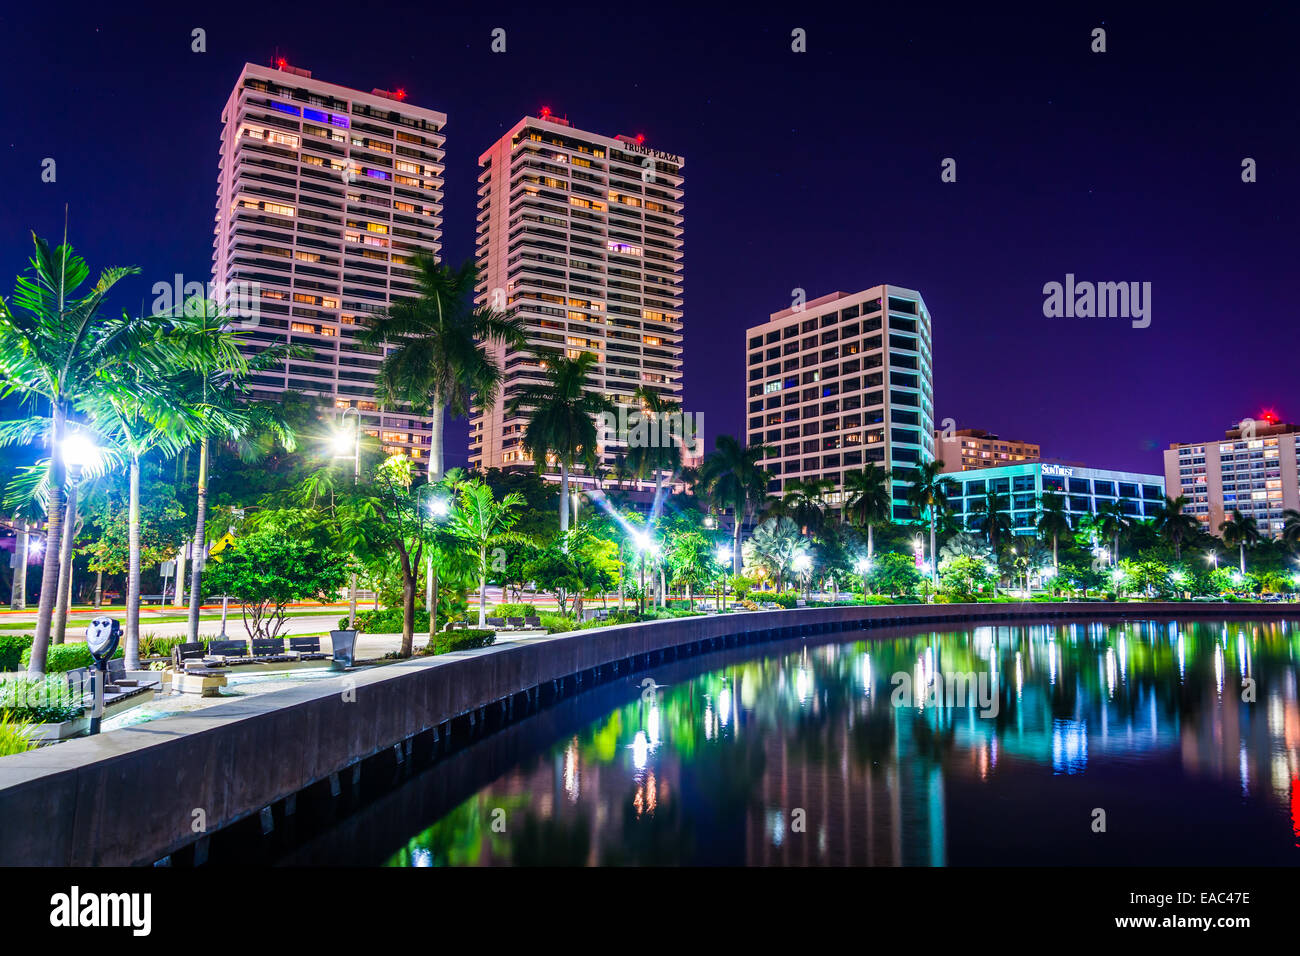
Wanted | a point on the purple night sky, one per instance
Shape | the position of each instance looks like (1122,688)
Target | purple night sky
(818,170)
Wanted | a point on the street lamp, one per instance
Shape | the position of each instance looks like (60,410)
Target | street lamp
(723,557)
(77,450)
(343,438)
(801,563)
(439,507)
(645,545)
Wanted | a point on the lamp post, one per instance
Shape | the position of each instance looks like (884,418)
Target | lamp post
(863,567)
(802,564)
(341,441)
(439,508)
(723,557)
(645,545)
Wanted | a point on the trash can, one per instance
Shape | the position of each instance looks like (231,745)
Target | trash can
(344,644)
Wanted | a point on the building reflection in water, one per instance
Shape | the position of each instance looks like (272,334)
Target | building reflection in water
(810,759)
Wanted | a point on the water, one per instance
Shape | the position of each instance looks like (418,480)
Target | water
(1116,743)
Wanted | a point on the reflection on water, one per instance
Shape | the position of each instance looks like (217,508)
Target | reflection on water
(1142,742)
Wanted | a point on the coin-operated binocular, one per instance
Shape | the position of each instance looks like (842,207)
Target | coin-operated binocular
(102,638)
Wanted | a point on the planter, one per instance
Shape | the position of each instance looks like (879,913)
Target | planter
(63,730)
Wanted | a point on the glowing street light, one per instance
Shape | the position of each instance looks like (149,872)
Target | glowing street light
(343,438)
(78,451)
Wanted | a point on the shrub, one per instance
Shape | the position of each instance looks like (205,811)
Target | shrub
(557,623)
(785,599)
(153,646)
(462,640)
(15,735)
(512,610)
(11,650)
(386,620)
(39,699)
(66,657)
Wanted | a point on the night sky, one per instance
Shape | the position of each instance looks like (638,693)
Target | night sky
(816,170)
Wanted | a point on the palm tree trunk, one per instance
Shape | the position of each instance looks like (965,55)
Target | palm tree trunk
(178,598)
(482,587)
(53,545)
(433,609)
(1242,548)
(564,496)
(735,540)
(200,543)
(18,592)
(63,598)
(99,589)
(435,441)
(934,562)
(132,639)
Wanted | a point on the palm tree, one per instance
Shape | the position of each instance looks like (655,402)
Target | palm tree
(774,545)
(804,502)
(1173,525)
(927,494)
(733,479)
(438,359)
(869,501)
(1291,527)
(661,456)
(991,516)
(52,343)
(484,523)
(562,417)
(1053,522)
(1240,532)
(1112,522)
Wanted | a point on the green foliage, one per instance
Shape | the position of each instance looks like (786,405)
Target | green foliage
(964,577)
(557,623)
(15,735)
(465,640)
(575,564)
(513,610)
(893,573)
(163,522)
(12,647)
(387,620)
(39,700)
(267,570)
(66,657)
(154,646)
(786,599)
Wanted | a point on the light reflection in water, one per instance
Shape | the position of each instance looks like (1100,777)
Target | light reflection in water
(716,768)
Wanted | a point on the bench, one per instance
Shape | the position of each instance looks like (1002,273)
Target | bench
(307,648)
(189,651)
(496,623)
(268,647)
(533,621)
(515,623)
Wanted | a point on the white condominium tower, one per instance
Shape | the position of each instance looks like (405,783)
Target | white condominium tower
(581,235)
(840,382)
(324,197)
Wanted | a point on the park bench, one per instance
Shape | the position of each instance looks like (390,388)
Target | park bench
(496,623)
(269,648)
(515,623)
(228,650)
(532,621)
(307,648)
(800,603)
(190,651)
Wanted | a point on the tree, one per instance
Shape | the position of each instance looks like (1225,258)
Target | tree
(773,546)
(573,564)
(928,494)
(1111,522)
(894,573)
(732,477)
(1240,532)
(268,569)
(438,357)
(53,341)
(1291,527)
(484,523)
(562,417)
(1053,523)
(992,519)
(656,451)
(1173,525)
(690,558)
(804,503)
(964,576)
(869,501)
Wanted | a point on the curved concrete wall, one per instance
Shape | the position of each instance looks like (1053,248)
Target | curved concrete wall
(138,794)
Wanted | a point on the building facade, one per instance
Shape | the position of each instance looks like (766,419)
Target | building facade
(969,449)
(1082,490)
(581,235)
(324,197)
(842,381)
(1252,469)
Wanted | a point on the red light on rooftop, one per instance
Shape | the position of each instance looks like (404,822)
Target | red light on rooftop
(281,63)
(400,94)
(546,111)
(1268,415)
(639,139)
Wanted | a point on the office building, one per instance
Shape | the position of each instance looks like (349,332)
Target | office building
(1251,469)
(968,449)
(1082,490)
(841,381)
(325,196)
(581,235)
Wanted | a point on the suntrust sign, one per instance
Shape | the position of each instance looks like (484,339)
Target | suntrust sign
(1060,471)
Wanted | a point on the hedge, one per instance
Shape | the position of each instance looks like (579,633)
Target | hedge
(66,657)
(466,640)
(11,650)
